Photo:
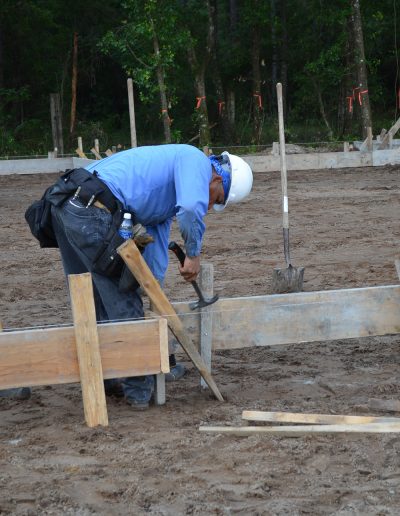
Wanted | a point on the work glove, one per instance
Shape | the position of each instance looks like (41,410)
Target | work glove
(141,237)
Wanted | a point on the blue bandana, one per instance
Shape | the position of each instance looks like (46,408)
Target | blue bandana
(226,175)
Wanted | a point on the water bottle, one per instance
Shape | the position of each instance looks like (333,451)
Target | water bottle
(126,228)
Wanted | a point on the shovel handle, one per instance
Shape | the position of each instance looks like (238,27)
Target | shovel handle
(282,154)
(178,251)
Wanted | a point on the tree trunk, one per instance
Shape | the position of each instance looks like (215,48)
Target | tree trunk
(346,101)
(1,61)
(274,54)
(227,128)
(199,70)
(201,102)
(74,83)
(161,86)
(257,99)
(284,54)
(233,15)
(322,109)
(231,106)
(362,96)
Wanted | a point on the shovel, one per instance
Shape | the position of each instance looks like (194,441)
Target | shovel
(291,278)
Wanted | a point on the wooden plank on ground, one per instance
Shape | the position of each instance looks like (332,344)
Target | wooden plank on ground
(320,419)
(384,405)
(300,318)
(139,268)
(88,350)
(48,356)
(299,430)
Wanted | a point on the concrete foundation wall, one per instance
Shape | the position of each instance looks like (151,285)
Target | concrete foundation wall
(40,166)
(328,160)
(267,163)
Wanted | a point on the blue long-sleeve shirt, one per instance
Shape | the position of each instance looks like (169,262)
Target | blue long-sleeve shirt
(157,183)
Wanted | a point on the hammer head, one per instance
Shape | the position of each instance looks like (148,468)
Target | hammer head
(201,303)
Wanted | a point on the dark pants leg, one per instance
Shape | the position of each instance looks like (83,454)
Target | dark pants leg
(80,231)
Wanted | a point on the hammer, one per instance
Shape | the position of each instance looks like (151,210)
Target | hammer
(202,302)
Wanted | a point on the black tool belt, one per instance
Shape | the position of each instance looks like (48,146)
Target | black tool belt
(77,182)
(87,186)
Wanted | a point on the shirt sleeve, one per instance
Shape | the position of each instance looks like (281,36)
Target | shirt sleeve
(192,179)
(156,253)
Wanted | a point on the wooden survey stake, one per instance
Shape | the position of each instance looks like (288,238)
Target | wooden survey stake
(96,153)
(87,345)
(139,268)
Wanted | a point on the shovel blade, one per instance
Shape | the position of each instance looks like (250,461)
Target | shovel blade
(287,280)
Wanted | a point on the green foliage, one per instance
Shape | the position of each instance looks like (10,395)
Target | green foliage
(117,38)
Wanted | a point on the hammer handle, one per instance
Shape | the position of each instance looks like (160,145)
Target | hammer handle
(178,251)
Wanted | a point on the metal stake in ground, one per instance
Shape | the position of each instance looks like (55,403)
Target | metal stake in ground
(291,278)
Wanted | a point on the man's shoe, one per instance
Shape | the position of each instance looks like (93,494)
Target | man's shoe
(175,373)
(138,405)
(20,393)
(113,388)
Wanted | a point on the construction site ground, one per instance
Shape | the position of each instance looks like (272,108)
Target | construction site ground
(345,231)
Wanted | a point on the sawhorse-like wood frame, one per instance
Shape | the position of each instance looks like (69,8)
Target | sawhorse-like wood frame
(85,353)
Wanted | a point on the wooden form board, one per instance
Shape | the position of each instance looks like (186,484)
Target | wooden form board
(298,430)
(320,419)
(48,356)
(299,318)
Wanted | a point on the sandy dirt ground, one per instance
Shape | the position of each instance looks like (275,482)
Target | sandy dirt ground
(345,229)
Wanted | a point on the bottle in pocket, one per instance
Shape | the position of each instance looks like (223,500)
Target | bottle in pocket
(126,228)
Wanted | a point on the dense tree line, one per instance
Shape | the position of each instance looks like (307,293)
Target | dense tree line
(204,70)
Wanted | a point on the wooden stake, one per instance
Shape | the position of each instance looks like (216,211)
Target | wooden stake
(97,145)
(206,283)
(324,419)
(56,122)
(132,113)
(87,345)
(139,268)
(397,264)
(245,431)
(79,150)
(74,82)
(369,139)
(80,153)
(94,151)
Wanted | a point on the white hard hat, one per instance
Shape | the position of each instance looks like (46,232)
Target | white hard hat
(241,180)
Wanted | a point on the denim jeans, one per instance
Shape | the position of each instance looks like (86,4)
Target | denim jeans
(80,231)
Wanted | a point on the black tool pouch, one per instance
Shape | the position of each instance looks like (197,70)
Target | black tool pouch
(38,217)
(107,260)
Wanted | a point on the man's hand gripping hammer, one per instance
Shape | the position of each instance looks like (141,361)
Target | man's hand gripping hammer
(202,302)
